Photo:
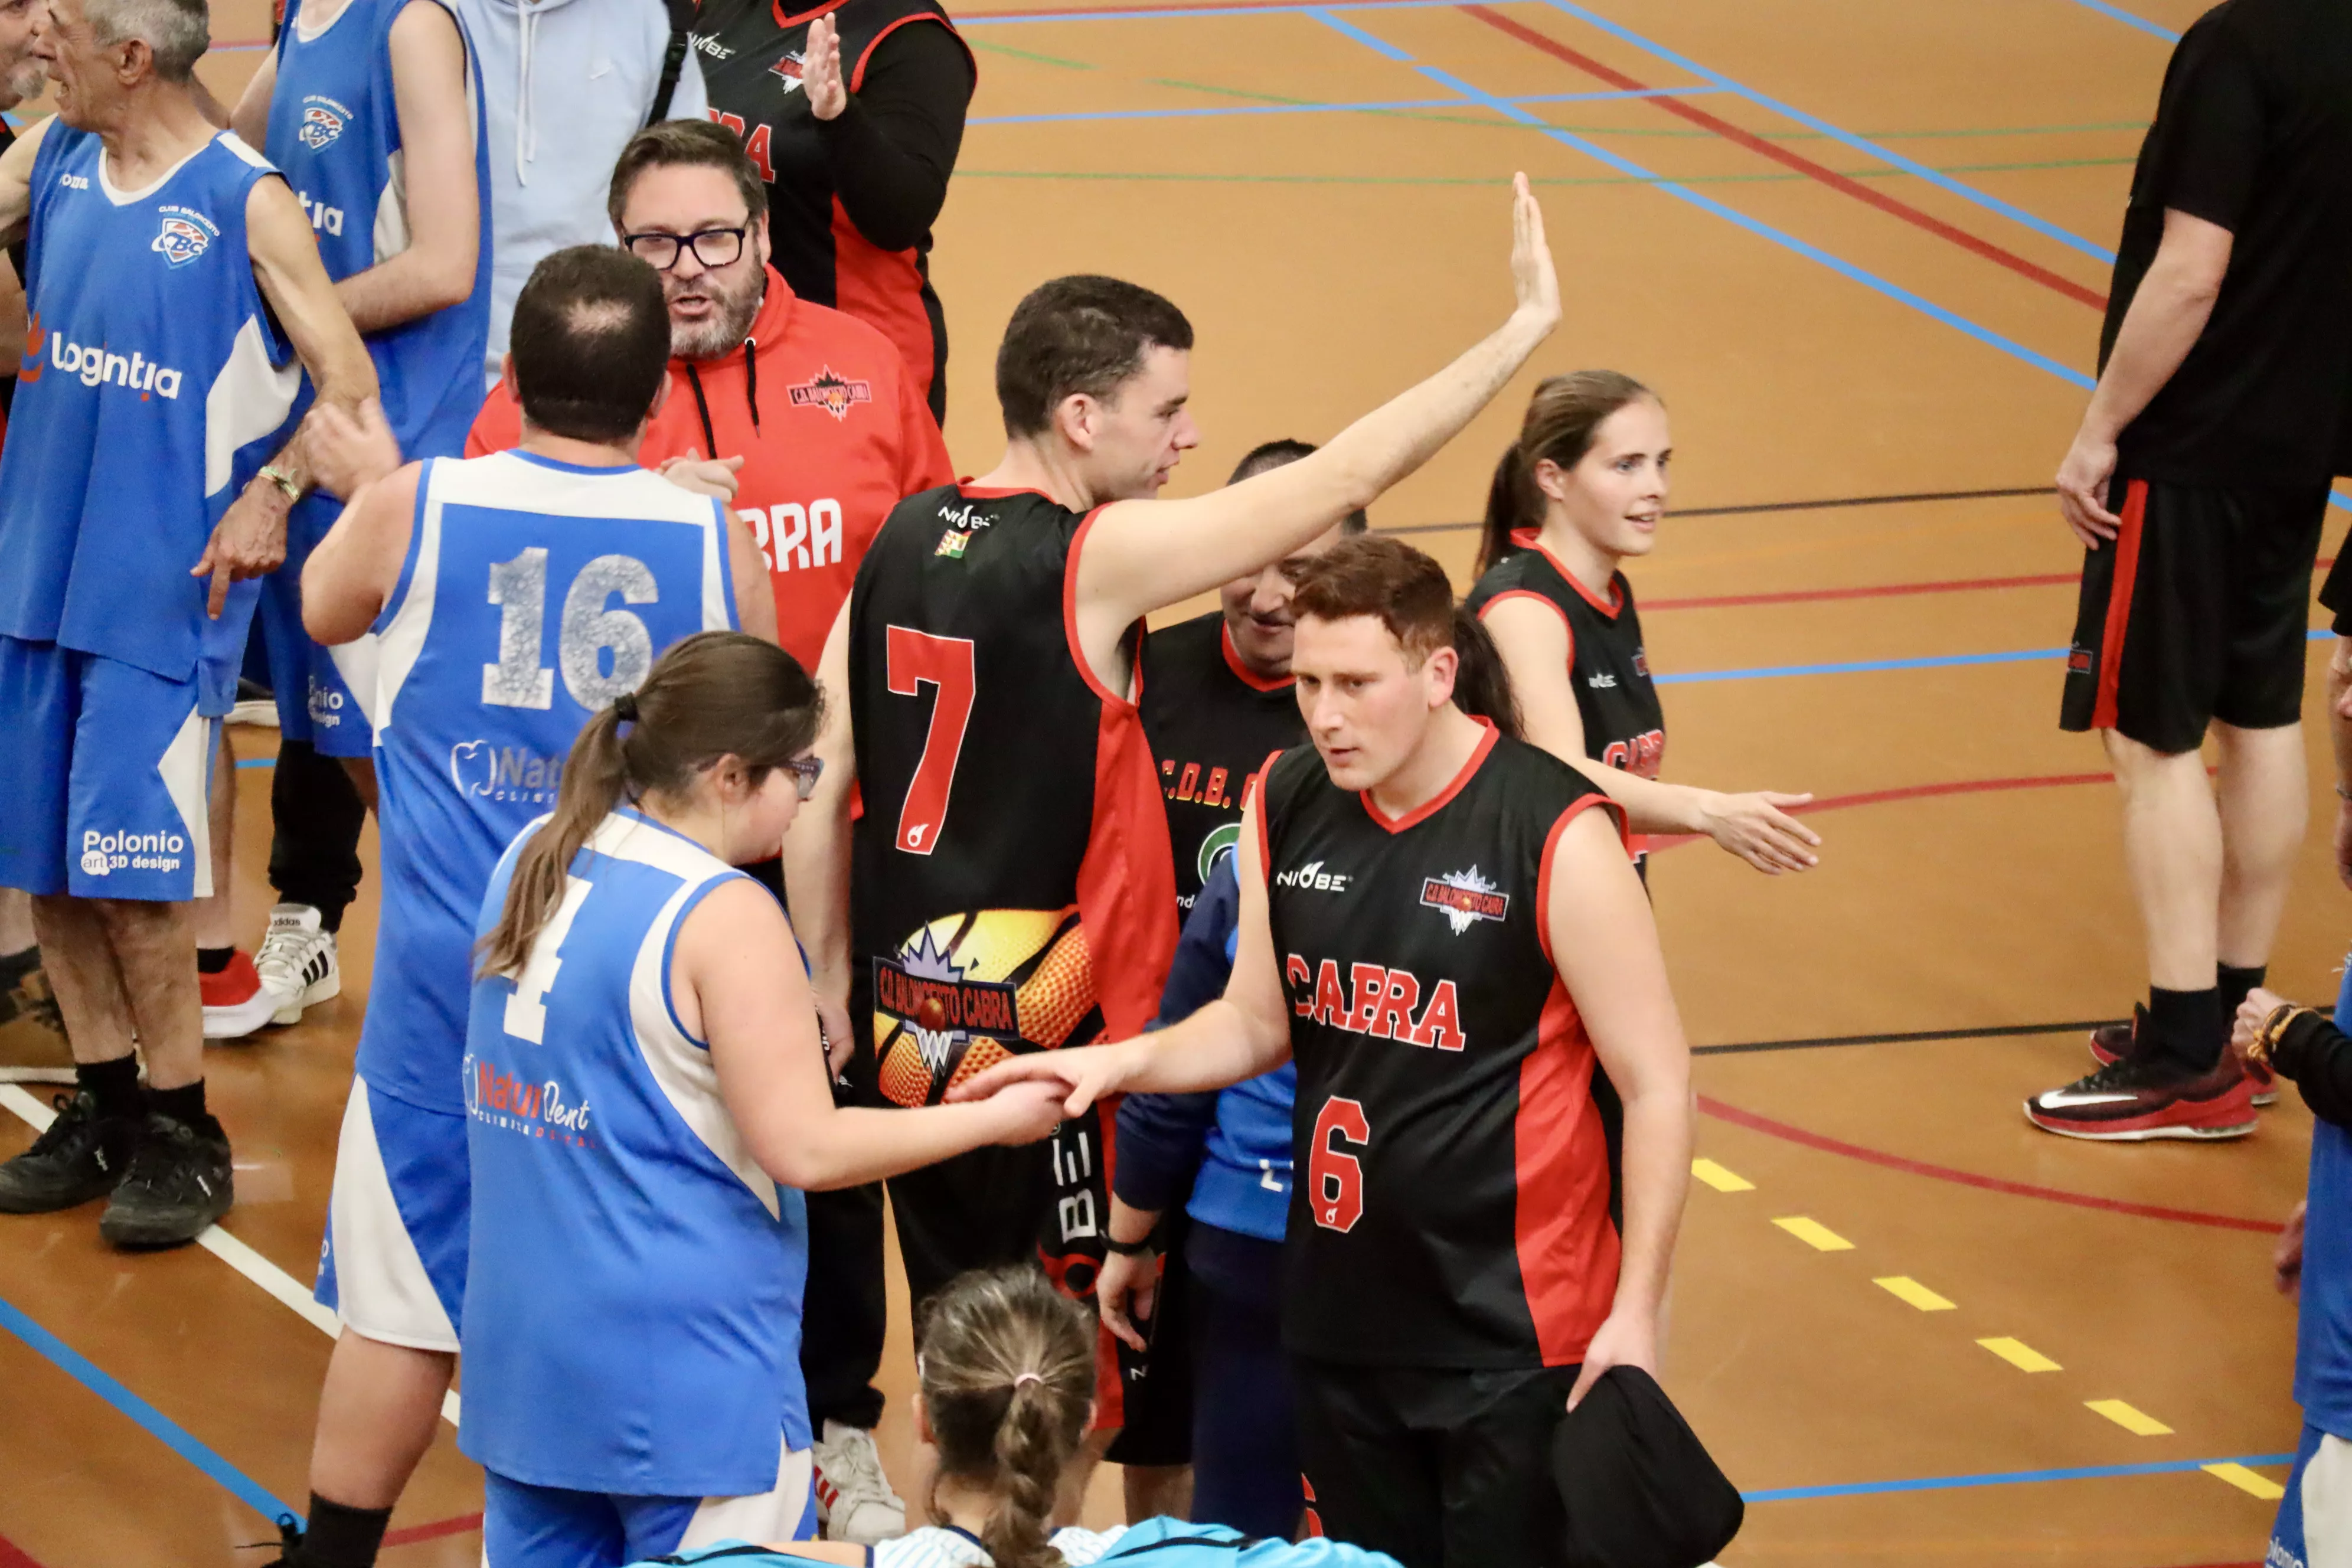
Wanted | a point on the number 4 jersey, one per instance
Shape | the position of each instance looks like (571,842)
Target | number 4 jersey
(534,594)
(1455,1197)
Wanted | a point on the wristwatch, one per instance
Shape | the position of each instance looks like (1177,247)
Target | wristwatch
(293,492)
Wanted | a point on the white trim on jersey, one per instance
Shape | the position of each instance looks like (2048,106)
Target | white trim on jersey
(243,149)
(401,642)
(772,1515)
(185,768)
(681,1066)
(382,1291)
(357,662)
(934,1546)
(247,400)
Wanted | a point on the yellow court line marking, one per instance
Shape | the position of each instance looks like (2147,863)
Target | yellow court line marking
(1814,1234)
(2137,1422)
(2025,1358)
(2246,1480)
(1902,1287)
(1721,1180)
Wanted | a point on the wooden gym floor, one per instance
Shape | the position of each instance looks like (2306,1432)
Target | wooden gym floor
(1861,249)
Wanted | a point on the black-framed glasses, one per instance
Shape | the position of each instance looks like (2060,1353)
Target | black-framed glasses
(806,771)
(714,247)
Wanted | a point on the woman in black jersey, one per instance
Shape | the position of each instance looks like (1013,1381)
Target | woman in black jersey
(1582,489)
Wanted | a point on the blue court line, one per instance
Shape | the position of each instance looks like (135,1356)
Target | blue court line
(256,763)
(1860,143)
(1874,666)
(2008,1478)
(1199,11)
(1812,252)
(2129,19)
(161,1427)
(1693,91)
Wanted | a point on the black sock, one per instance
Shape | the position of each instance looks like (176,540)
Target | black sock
(2235,982)
(114,1085)
(330,917)
(2190,1027)
(212,960)
(183,1104)
(340,1537)
(15,966)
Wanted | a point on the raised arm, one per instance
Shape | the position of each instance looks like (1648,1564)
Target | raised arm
(1141,555)
(436,137)
(16,182)
(355,570)
(1605,947)
(816,850)
(1537,648)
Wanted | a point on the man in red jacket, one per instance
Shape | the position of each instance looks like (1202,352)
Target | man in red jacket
(811,412)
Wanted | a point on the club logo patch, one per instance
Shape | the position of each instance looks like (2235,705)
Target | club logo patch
(322,121)
(185,235)
(1465,898)
(953,544)
(2078,661)
(788,71)
(831,393)
(1642,662)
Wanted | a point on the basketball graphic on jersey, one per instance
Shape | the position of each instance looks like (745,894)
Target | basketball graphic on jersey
(186,235)
(322,121)
(969,990)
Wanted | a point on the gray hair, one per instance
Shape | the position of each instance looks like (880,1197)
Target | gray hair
(177,31)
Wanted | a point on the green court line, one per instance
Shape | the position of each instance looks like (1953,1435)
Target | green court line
(1031,54)
(1189,177)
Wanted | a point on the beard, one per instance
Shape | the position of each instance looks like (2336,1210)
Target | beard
(736,302)
(27,81)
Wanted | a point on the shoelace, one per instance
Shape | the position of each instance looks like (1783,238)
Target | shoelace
(65,1125)
(289,1536)
(285,952)
(865,1470)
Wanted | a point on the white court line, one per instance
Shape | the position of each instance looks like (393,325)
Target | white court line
(273,1279)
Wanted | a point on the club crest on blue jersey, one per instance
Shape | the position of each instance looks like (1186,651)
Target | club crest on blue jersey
(186,234)
(322,120)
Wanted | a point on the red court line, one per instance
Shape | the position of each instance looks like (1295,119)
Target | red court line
(1815,1140)
(1661,841)
(462,1525)
(14,1556)
(1874,591)
(1797,161)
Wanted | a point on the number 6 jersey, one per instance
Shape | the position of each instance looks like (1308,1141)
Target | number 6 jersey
(1453,1136)
(534,594)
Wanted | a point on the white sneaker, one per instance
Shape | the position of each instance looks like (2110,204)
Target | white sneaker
(297,963)
(854,1499)
(259,713)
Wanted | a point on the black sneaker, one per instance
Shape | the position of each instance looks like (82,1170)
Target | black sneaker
(2113,1042)
(179,1183)
(83,1155)
(289,1544)
(2141,1097)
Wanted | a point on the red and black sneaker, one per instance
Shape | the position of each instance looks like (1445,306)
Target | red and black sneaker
(2113,1042)
(2137,1097)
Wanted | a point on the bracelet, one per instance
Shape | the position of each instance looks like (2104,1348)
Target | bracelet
(1125,1248)
(293,492)
(2266,1038)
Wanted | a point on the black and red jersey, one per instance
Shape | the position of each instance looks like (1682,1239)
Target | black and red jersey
(1210,723)
(1624,727)
(1456,1193)
(751,53)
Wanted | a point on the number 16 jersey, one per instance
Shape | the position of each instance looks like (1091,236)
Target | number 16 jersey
(534,594)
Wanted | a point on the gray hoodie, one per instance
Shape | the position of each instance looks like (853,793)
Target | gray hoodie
(565,84)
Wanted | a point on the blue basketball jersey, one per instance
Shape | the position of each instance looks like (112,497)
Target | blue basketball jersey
(534,594)
(334,129)
(2323,1348)
(633,1305)
(153,384)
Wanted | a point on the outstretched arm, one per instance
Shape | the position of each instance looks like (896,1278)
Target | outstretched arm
(1605,946)
(1537,650)
(1141,555)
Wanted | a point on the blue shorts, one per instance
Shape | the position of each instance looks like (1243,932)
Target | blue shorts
(524,1526)
(104,777)
(394,1262)
(2315,1518)
(324,694)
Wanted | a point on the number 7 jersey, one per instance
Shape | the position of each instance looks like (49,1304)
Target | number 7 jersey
(534,594)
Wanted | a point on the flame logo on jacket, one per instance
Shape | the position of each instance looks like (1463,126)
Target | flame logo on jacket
(35,340)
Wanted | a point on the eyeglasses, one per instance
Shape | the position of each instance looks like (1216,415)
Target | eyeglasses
(805,772)
(711,247)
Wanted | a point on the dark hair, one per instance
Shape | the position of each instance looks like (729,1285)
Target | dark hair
(1562,418)
(1075,335)
(591,344)
(1268,455)
(686,143)
(713,694)
(1407,592)
(1007,1367)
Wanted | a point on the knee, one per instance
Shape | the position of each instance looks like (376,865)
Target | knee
(2136,761)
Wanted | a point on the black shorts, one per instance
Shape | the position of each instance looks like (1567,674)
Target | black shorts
(2196,611)
(1439,1468)
(1157,1383)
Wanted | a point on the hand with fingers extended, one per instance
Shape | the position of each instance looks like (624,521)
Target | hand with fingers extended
(1081,1075)
(821,80)
(248,542)
(1759,829)
(1533,279)
(1124,1291)
(2082,488)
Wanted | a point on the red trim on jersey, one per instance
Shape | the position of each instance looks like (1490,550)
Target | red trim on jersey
(795,18)
(1078,653)
(1567,1249)
(1635,843)
(1127,882)
(1532,538)
(971,491)
(2119,601)
(1242,672)
(1436,802)
(884,289)
(1534,597)
(1255,786)
(857,73)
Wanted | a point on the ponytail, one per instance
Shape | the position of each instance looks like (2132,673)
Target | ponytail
(1482,682)
(715,694)
(1562,418)
(1007,1368)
